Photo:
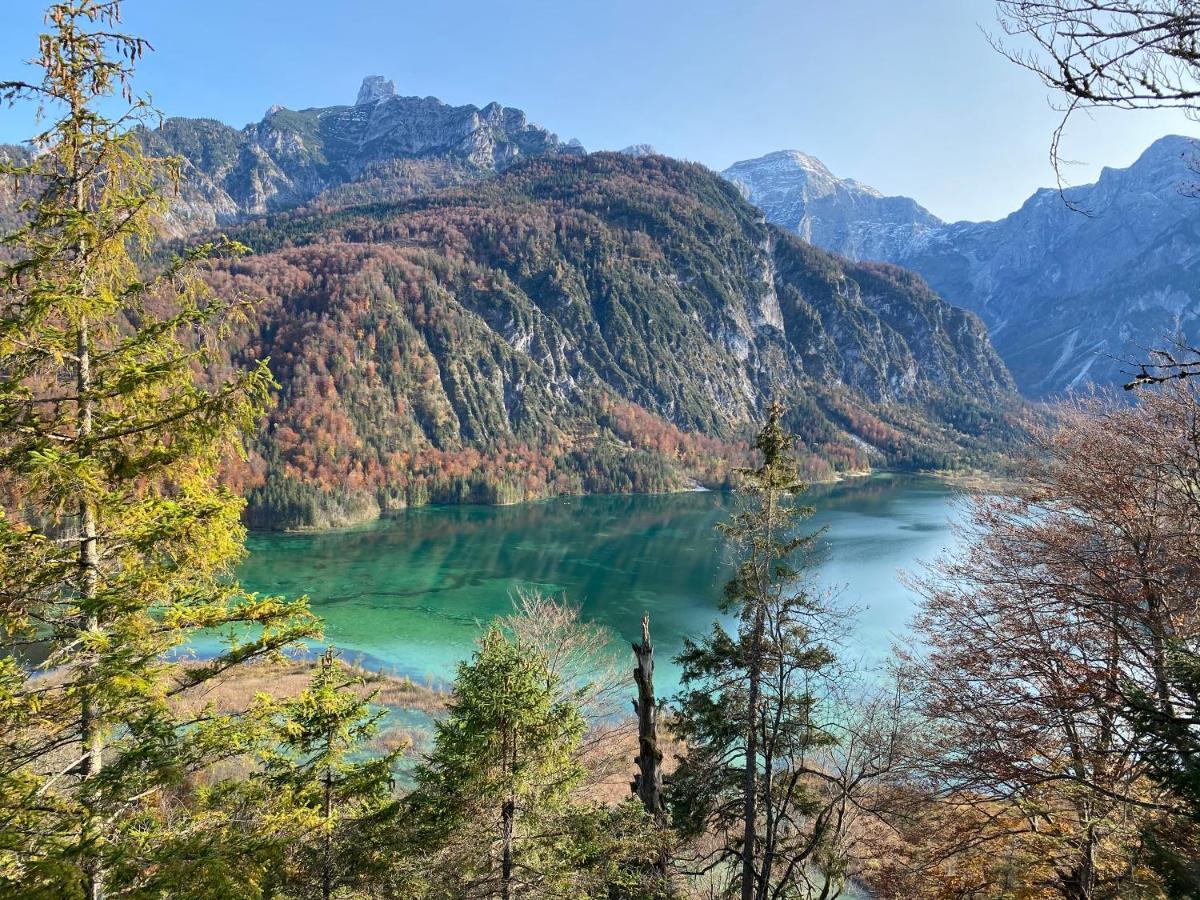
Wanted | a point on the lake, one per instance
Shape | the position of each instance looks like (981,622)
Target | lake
(409,593)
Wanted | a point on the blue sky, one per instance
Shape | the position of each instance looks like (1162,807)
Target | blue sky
(905,96)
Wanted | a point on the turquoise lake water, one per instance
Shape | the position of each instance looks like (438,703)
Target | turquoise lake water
(410,593)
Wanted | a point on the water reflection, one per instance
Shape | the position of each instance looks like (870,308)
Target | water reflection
(410,592)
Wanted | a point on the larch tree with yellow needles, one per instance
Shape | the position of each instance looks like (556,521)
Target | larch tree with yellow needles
(116,539)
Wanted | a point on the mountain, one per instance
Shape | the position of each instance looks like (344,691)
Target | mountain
(383,147)
(797,192)
(460,307)
(586,323)
(1069,290)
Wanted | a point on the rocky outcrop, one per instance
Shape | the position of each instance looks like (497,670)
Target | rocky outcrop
(293,157)
(375,88)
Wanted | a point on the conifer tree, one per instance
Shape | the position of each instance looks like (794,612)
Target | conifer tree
(503,763)
(497,811)
(116,542)
(319,776)
(748,711)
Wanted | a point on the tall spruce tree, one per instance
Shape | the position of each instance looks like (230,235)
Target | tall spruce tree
(749,709)
(319,775)
(116,542)
(502,765)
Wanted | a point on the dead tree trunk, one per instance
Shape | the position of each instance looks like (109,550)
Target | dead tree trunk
(648,783)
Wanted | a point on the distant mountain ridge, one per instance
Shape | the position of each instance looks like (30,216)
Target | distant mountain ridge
(383,147)
(1068,294)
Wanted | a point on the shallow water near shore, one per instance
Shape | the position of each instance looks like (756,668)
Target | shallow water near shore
(409,594)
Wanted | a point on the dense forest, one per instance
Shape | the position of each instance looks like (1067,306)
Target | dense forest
(1041,741)
(586,324)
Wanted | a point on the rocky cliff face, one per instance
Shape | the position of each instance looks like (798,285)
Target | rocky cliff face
(400,145)
(590,323)
(1069,290)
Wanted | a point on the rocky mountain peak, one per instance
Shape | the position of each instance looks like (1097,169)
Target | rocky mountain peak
(1070,284)
(386,146)
(799,192)
(796,159)
(784,167)
(1168,151)
(1168,168)
(375,88)
(640,150)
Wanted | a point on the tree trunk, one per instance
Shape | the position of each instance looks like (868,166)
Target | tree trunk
(754,666)
(769,825)
(506,858)
(507,816)
(327,849)
(648,782)
(750,778)
(90,725)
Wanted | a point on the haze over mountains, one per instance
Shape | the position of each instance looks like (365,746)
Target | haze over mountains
(1068,291)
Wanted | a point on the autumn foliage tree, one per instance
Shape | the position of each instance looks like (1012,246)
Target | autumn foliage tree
(117,543)
(1053,680)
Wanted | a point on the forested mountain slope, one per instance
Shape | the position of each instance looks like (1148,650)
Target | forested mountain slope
(586,323)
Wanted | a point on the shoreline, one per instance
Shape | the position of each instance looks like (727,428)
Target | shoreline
(977,481)
(974,481)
